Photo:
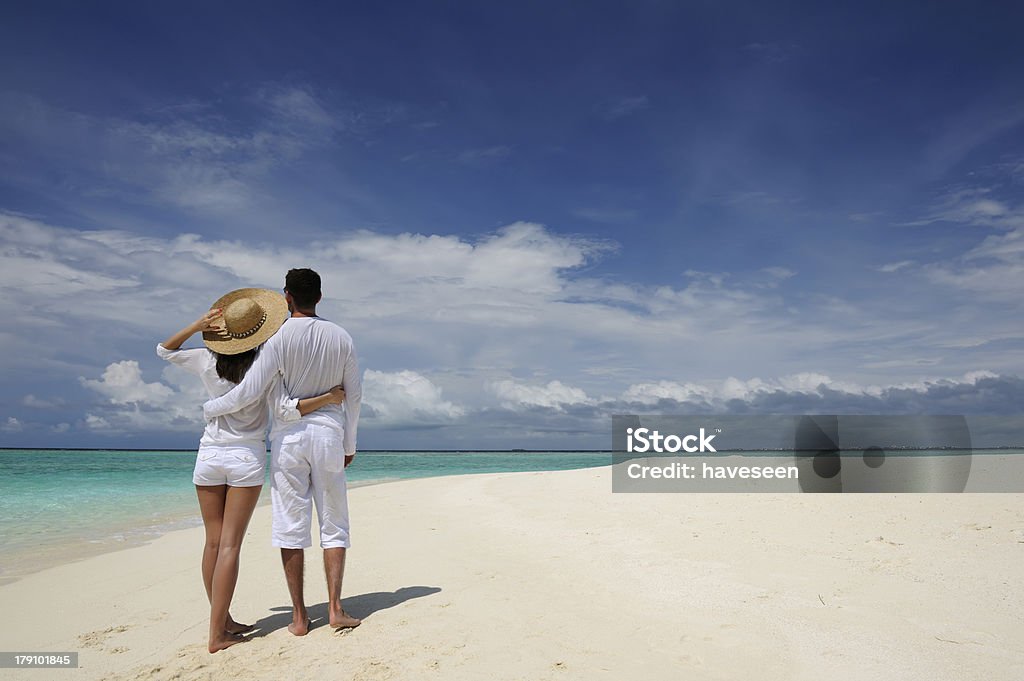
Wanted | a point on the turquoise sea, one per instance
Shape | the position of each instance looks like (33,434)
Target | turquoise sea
(61,504)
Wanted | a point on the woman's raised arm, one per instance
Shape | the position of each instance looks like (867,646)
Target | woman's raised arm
(203,324)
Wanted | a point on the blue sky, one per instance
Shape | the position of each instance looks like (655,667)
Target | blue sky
(529,216)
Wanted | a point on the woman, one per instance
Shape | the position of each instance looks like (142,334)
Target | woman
(232,452)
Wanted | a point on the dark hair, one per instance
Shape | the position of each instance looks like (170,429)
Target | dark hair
(304,287)
(233,367)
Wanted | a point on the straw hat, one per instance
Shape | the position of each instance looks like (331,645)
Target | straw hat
(250,316)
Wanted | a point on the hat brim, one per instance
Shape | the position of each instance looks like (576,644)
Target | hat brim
(272,302)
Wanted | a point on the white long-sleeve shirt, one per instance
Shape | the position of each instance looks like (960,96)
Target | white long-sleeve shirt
(312,355)
(245,425)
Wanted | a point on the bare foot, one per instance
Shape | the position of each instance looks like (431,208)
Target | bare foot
(342,620)
(299,628)
(233,627)
(227,641)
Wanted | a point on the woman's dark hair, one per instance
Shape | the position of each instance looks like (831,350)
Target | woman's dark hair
(233,367)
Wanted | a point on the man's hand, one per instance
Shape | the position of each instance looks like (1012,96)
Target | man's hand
(348,459)
(337,395)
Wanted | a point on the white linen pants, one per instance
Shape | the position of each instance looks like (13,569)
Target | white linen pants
(307,466)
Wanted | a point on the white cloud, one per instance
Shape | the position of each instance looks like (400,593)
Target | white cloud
(1008,247)
(975,206)
(505,299)
(396,399)
(134,405)
(483,308)
(94,422)
(11,425)
(891,267)
(991,271)
(299,106)
(779,272)
(1004,281)
(405,398)
(122,383)
(719,393)
(183,157)
(555,394)
(40,403)
(731,388)
(974,393)
(901,363)
(994,269)
(652,393)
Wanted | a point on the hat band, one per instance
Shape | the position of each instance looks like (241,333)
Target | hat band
(246,334)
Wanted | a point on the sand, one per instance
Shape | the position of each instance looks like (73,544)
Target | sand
(551,576)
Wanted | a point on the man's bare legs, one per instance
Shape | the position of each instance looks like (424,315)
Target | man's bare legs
(293,561)
(334,570)
(211,505)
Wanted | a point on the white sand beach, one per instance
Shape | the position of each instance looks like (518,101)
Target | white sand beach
(551,576)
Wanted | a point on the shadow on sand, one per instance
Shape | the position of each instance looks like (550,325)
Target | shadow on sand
(361,606)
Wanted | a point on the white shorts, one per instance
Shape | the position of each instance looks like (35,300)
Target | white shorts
(307,466)
(238,465)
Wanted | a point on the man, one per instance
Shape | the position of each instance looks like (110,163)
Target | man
(307,457)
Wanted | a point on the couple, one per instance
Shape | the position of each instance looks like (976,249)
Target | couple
(264,366)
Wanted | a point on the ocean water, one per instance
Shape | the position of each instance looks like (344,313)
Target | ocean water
(61,504)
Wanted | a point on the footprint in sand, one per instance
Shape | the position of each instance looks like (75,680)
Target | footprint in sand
(96,639)
(375,671)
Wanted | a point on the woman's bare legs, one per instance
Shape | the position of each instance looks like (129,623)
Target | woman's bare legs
(211,504)
(239,503)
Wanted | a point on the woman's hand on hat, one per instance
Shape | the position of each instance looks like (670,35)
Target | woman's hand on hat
(203,324)
(337,395)
(206,322)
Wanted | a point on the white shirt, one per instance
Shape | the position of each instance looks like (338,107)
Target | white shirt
(245,425)
(312,355)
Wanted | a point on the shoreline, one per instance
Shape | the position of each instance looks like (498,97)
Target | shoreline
(118,499)
(549,575)
(19,564)
(111,503)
